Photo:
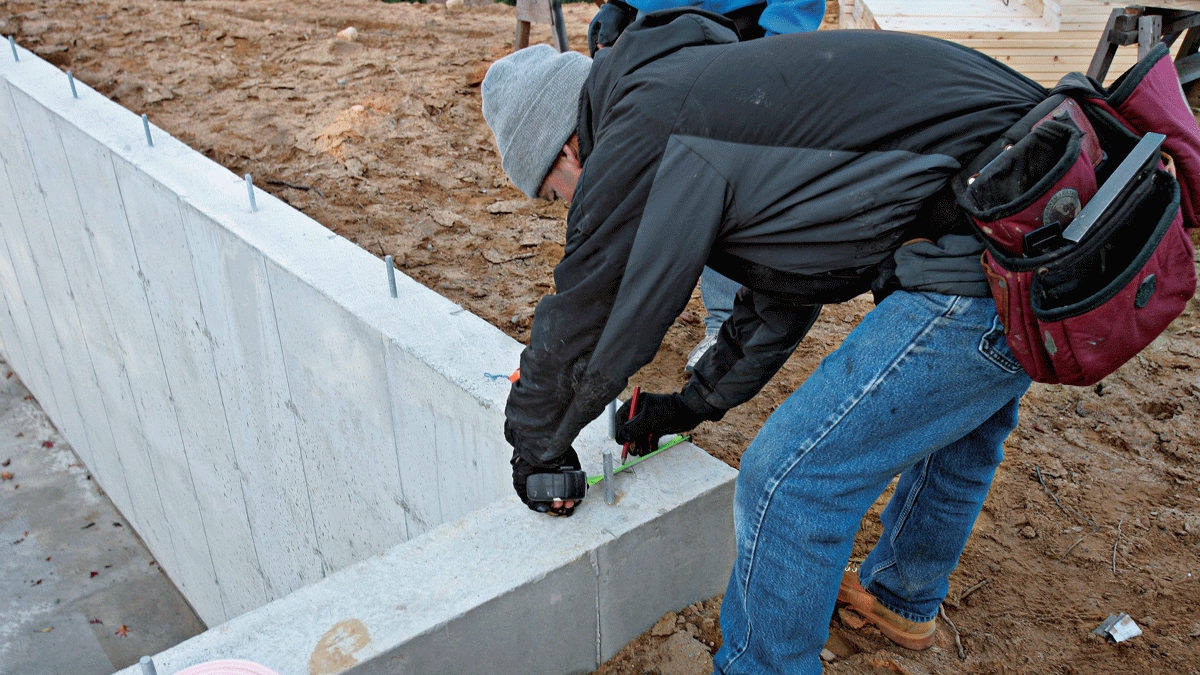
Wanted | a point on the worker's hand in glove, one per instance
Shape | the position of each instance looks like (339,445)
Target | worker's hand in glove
(608,23)
(522,470)
(657,415)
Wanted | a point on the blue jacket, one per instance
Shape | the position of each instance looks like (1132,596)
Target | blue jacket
(780,16)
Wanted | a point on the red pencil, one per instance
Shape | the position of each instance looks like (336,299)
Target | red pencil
(632,412)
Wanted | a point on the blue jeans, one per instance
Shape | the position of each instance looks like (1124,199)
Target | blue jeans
(924,388)
(717,292)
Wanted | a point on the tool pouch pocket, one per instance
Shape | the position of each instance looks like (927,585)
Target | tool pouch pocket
(1036,184)
(1076,314)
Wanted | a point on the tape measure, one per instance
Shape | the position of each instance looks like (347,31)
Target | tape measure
(572,485)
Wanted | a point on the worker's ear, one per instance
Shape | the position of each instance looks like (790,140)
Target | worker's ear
(571,150)
(564,173)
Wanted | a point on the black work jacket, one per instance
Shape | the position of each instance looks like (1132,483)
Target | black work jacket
(794,164)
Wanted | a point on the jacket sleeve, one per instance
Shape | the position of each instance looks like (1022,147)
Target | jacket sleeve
(792,16)
(638,237)
(754,343)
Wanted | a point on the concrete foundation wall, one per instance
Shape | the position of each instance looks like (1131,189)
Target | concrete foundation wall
(502,590)
(247,392)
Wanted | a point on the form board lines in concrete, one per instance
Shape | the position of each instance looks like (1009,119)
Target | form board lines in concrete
(19,335)
(126,344)
(196,423)
(77,264)
(349,453)
(221,493)
(187,350)
(26,199)
(147,212)
(42,209)
(241,322)
(410,377)
(312,515)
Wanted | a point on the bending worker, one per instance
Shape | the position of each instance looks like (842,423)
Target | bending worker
(798,165)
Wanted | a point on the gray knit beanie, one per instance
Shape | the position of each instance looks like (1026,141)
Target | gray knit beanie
(531,103)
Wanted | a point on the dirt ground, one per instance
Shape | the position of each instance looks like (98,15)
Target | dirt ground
(380,138)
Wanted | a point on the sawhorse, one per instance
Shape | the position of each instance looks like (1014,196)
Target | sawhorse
(1147,26)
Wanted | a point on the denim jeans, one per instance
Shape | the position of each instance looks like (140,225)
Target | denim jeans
(717,292)
(924,388)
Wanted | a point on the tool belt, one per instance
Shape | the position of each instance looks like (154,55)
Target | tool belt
(1084,220)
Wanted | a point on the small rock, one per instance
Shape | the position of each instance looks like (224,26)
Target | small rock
(665,625)
(827,655)
(1028,532)
(444,217)
(851,619)
(682,654)
(349,34)
(454,5)
(508,206)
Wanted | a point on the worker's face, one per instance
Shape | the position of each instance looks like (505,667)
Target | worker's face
(564,174)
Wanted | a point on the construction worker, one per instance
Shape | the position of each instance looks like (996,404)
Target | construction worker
(810,168)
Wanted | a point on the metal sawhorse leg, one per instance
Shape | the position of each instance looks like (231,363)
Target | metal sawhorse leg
(540,11)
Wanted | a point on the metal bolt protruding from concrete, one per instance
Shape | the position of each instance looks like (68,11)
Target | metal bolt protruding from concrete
(13,43)
(391,271)
(250,191)
(610,492)
(71,79)
(146,126)
(147,666)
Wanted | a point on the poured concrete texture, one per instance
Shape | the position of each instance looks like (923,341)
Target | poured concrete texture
(264,414)
(240,381)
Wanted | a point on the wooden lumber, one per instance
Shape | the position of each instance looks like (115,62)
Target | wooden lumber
(1044,39)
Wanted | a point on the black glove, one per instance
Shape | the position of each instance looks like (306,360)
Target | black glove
(657,415)
(608,24)
(522,470)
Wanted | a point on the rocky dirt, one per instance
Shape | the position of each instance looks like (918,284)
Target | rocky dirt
(378,136)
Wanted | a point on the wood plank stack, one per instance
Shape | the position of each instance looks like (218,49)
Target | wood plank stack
(1044,39)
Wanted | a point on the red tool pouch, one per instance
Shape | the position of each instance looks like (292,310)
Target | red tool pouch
(1087,258)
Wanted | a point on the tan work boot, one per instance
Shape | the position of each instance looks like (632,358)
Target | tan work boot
(907,634)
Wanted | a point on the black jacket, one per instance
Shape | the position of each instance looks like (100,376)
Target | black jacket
(795,164)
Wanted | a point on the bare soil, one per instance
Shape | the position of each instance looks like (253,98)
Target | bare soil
(380,138)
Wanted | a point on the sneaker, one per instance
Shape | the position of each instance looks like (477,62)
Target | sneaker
(698,351)
(908,634)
